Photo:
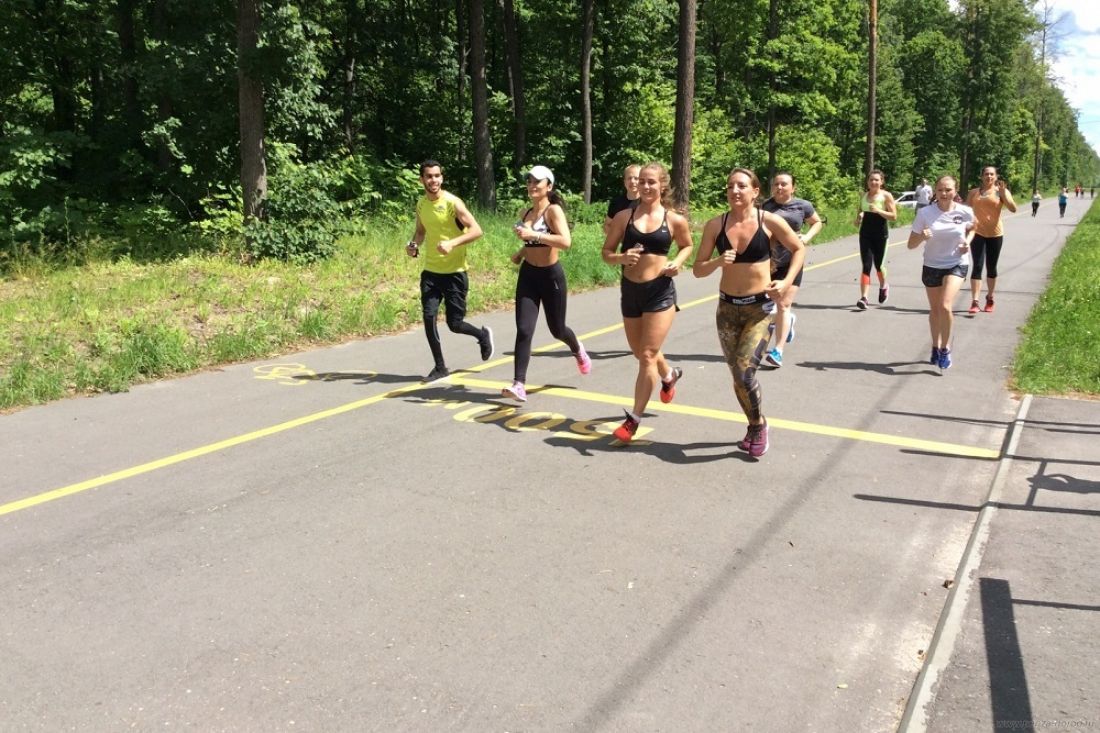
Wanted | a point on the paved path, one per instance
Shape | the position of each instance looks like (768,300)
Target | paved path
(319,542)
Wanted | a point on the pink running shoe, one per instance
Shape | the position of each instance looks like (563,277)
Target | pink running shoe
(517,392)
(584,364)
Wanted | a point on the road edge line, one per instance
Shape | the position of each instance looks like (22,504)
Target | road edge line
(942,646)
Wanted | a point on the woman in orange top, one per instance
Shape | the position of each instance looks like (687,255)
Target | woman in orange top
(987,201)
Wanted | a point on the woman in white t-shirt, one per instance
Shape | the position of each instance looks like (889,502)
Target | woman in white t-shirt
(945,230)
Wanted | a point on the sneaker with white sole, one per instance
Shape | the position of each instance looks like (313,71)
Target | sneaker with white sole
(438,372)
(486,344)
(774,358)
(790,333)
(584,362)
(516,392)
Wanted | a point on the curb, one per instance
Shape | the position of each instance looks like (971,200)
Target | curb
(942,647)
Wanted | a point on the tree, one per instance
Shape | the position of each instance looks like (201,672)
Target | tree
(483,146)
(872,82)
(685,104)
(587,28)
(250,97)
(515,81)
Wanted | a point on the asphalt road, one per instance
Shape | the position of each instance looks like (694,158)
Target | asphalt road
(319,542)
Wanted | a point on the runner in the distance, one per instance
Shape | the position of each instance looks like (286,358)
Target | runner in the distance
(1036,199)
(876,211)
(444,226)
(626,200)
(747,292)
(987,201)
(946,230)
(544,232)
(796,212)
(647,233)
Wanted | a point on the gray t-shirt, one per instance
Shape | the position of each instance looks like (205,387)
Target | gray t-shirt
(948,232)
(795,212)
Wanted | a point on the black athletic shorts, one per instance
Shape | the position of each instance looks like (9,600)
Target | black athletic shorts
(932,277)
(656,295)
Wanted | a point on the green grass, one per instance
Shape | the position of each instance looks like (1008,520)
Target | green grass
(1060,349)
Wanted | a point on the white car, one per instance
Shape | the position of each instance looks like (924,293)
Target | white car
(906,200)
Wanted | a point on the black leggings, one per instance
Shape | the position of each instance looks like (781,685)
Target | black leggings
(985,250)
(449,288)
(545,286)
(873,233)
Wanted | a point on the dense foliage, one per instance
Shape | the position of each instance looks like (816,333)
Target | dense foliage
(119,119)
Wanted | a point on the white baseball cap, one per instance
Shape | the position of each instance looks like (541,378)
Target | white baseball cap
(541,173)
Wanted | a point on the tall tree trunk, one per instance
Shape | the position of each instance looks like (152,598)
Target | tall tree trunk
(353,20)
(127,41)
(250,98)
(165,108)
(461,53)
(587,31)
(773,33)
(479,87)
(515,80)
(872,83)
(685,104)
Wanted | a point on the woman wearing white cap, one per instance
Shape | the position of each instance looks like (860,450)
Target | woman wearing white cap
(544,232)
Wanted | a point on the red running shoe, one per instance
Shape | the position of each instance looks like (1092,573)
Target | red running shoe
(625,432)
(989,305)
(974,307)
(668,389)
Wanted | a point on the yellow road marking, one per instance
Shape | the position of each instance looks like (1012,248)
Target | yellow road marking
(932,446)
(197,452)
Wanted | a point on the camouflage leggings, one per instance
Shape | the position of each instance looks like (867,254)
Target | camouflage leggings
(743,333)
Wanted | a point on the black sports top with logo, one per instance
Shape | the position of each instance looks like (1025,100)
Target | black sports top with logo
(539,226)
(657,242)
(757,250)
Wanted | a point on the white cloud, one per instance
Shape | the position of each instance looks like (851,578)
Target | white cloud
(1077,68)
(1086,13)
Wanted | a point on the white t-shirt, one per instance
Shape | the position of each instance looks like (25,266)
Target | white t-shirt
(948,235)
(924,195)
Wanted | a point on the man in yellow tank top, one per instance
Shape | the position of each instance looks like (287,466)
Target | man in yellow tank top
(987,200)
(444,226)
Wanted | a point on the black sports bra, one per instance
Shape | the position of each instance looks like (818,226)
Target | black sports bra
(657,242)
(539,225)
(757,250)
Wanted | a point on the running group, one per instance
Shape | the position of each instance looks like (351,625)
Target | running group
(758,249)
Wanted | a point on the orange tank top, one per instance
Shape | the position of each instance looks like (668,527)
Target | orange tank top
(987,207)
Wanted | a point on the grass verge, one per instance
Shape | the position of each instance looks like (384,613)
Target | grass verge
(1060,349)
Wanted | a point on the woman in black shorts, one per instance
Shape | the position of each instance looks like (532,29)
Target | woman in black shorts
(742,238)
(646,234)
(946,230)
(544,232)
(797,213)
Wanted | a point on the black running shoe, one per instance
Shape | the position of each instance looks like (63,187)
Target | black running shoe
(439,372)
(486,344)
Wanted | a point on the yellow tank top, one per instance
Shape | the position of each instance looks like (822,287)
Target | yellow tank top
(866,201)
(987,212)
(438,219)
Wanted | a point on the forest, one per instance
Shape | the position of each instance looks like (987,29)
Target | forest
(167,126)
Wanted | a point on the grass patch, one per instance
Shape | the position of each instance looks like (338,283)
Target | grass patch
(1060,349)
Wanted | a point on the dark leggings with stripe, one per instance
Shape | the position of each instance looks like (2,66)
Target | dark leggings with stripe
(985,251)
(743,333)
(545,286)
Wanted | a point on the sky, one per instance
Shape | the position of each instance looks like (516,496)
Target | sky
(1077,68)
